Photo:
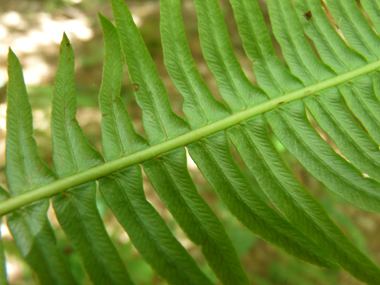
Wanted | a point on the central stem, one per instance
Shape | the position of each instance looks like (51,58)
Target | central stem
(11,204)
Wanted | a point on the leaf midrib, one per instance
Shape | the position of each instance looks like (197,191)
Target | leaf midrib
(60,185)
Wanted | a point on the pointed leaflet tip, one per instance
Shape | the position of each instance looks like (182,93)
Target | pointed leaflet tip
(65,42)
(101,16)
(12,57)
(10,52)
(65,38)
(103,19)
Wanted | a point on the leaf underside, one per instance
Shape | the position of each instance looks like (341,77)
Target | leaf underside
(335,90)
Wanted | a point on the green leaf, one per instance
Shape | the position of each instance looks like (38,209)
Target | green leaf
(179,141)
(213,156)
(270,74)
(76,208)
(333,117)
(297,52)
(235,191)
(168,173)
(145,227)
(291,125)
(119,137)
(237,90)
(26,171)
(293,200)
(355,28)
(159,124)
(361,99)
(371,7)
(340,91)
(330,45)
(175,187)
(362,38)
(199,106)
(356,145)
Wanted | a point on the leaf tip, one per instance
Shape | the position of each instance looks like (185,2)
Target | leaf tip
(65,47)
(102,18)
(65,40)
(10,51)
(12,59)
(11,54)
(104,21)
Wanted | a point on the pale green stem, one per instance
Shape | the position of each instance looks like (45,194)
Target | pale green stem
(11,204)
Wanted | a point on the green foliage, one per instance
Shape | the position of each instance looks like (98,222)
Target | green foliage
(342,87)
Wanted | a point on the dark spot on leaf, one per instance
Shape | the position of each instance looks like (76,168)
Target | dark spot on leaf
(282,102)
(137,87)
(68,44)
(308,15)
(69,58)
(152,117)
(67,250)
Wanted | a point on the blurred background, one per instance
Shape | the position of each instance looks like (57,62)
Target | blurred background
(33,28)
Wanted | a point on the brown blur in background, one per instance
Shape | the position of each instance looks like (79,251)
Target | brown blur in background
(34,30)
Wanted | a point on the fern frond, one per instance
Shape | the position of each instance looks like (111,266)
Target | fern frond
(168,173)
(123,191)
(262,152)
(346,80)
(76,208)
(26,171)
(352,141)
(213,156)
